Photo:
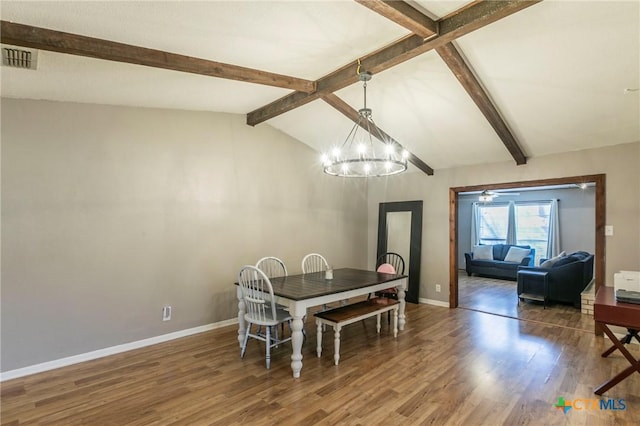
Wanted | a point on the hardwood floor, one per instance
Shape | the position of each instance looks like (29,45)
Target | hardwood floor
(449,366)
(500,297)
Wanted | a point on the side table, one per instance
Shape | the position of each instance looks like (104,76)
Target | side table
(608,311)
(533,285)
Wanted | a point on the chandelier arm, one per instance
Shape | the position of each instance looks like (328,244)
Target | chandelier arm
(370,136)
(352,134)
(377,133)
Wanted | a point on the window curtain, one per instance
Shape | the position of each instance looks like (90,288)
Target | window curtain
(475,225)
(553,240)
(511,225)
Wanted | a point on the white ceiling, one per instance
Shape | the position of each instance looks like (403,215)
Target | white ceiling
(556,70)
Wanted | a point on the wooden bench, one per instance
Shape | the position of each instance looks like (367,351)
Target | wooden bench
(348,314)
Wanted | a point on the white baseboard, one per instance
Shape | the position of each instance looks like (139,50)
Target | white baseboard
(100,353)
(434,302)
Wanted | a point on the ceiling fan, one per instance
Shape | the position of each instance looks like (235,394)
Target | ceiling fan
(487,195)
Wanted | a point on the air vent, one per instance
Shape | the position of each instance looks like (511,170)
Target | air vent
(19,58)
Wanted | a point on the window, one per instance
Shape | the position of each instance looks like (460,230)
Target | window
(494,221)
(531,225)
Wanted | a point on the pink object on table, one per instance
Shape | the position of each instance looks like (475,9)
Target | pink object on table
(386,268)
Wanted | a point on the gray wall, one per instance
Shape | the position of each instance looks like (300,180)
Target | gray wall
(576,213)
(109,213)
(619,163)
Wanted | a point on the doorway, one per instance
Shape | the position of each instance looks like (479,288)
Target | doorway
(597,180)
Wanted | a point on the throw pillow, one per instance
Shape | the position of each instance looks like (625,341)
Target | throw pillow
(483,252)
(550,262)
(516,254)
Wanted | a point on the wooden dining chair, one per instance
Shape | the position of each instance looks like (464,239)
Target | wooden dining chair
(394,259)
(314,262)
(272,267)
(397,263)
(389,261)
(261,310)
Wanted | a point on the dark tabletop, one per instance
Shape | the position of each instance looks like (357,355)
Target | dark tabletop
(308,286)
(608,310)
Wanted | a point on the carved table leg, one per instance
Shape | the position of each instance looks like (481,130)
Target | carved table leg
(296,342)
(401,317)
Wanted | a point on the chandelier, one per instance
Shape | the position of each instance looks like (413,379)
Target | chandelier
(367,153)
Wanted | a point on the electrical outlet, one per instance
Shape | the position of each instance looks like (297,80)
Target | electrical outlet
(166,313)
(438,289)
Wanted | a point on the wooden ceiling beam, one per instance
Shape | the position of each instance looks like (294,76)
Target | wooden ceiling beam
(353,115)
(468,19)
(404,15)
(456,63)
(410,18)
(74,44)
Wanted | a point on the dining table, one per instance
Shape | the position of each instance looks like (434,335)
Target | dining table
(300,292)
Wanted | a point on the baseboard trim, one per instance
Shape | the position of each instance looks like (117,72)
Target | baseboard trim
(100,353)
(434,302)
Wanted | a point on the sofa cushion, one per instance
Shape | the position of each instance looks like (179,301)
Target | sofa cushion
(482,252)
(516,254)
(484,263)
(495,267)
(500,251)
(501,264)
(550,262)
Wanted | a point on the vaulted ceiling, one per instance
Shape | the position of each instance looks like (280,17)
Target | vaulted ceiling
(455,83)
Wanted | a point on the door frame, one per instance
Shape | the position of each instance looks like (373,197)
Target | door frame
(600,219)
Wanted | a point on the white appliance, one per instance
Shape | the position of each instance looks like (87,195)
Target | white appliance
(627,280)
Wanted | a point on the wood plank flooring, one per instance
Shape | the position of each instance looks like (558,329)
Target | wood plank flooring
(500,297)
(449,366)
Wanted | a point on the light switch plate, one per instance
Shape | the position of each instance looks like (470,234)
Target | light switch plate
(608,230)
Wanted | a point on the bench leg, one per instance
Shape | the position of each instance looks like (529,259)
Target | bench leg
(378,323)
(319,338)
(336,344)
(395,322)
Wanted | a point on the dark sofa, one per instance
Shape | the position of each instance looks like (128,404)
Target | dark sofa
(498,267)
(567,277)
